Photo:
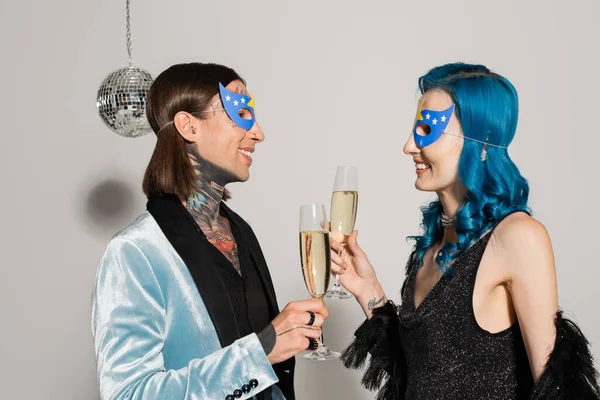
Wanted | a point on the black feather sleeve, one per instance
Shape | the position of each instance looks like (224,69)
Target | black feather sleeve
(569,372)
(379,337)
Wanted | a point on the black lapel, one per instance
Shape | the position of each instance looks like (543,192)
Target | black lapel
(192,246)
(257,256)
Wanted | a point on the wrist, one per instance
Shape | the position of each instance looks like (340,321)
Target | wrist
(371,298)
(267,338)
(369,289)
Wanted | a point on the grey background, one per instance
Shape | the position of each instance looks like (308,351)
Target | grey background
(335,83)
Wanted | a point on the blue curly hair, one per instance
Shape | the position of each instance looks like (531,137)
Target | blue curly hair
(487,107)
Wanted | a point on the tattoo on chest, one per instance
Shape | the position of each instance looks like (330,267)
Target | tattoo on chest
(219,234)
(223,240)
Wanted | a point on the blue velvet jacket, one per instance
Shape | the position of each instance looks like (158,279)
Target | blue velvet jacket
(162,322)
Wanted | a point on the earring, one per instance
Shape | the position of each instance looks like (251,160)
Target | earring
(484,150)
(193,130)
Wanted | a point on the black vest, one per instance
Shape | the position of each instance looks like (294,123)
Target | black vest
(246,292)
(199,256)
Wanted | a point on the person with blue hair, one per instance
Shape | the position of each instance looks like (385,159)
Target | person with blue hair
(479,316)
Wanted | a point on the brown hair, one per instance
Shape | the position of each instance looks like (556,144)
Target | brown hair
(181,87)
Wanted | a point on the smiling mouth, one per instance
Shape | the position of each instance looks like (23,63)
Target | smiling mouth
(422,167)
(246,154)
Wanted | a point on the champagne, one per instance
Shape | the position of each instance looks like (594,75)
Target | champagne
(316,261)
(344,204)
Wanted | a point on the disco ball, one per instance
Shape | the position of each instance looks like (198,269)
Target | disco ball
(121,101)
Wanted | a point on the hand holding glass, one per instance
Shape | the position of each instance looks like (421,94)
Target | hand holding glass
(344,206)
(316,263)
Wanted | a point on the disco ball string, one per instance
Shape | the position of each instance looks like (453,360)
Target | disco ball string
(128,32)
(121,98)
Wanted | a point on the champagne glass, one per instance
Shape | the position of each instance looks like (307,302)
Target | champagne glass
(344,205)
(316,263)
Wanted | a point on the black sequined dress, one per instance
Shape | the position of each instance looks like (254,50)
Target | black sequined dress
(438,351)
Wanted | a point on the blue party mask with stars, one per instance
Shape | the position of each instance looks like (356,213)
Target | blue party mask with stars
(435,121)
(235,104)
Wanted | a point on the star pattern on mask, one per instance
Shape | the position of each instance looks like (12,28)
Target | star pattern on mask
(427,116)
(434,121)
(235,103)
(443,118)
(228,98)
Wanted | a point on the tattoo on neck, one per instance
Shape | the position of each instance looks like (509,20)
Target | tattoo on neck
(373,303)
(216,186)
(210,184)
(204,205)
